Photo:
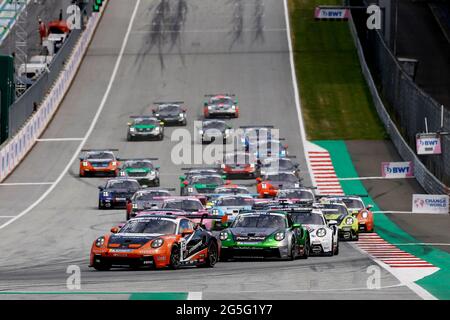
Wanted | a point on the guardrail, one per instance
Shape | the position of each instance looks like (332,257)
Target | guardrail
(425,178)
(16,148)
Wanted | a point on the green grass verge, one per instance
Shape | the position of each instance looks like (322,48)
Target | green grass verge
(336,102)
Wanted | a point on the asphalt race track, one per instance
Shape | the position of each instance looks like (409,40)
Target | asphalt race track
(176,50)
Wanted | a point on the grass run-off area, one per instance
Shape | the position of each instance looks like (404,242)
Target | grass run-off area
(336,101)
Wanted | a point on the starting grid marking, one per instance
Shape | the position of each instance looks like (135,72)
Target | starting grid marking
(388,253)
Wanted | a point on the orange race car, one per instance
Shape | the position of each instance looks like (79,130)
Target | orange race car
(270,183)
(156,241)
(99,162)
(356,207)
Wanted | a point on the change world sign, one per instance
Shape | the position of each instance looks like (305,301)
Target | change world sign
(430,203)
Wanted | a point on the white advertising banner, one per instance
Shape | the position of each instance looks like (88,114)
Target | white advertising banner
(427,143)
(430,203)
(397,169)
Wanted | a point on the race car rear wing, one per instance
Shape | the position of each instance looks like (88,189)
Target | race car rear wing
(256,126)
(167,102)
(143,117)
(200,168)
(137,159)
(209,95)
(106,149)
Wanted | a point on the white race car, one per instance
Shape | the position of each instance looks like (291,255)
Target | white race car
(324,238)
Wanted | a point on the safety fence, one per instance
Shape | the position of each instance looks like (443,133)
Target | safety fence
(16,148)
(9,11)
(399,90)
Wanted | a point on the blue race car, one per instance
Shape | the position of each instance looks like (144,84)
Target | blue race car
(231,205)
(117,192)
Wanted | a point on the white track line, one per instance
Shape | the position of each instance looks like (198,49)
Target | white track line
(7,184)
(91,127)
(296,92)
(194,296)
(59,139)
(372,178)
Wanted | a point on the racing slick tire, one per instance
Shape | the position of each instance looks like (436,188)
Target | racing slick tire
(101,266)
(175,256)
(292,254)
(336,251)
(305,254)
(101,206)
(212,257)
(156,182)
(129,137)
(161,137)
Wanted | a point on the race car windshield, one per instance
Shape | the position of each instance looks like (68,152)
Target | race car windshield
(295,194)
(214,125)
(280,163)
(100,155)
(169,108)
(187,205)
(353,204)
(307,218)
(282,177)
(160,226)
(260,221)
(232,191)
(146,121)
(138,165)
(238,159)
(122,184)
(235,201)
(226,101)
(334,209)
(207,180)
(151,195)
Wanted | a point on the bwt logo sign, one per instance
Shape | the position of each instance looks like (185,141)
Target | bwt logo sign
(397,169)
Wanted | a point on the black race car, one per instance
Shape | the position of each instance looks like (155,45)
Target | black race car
(276,164)
(213,130)
(116,192)
(170,113)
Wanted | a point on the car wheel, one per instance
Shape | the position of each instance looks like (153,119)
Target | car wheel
(336,251)
(129,137)
(293,251)
(156,183)
(175,258)
(213,256)
(102,266)
(101,206)
(161,137)
(306,250)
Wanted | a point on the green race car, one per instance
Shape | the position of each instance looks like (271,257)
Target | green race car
(142,170)
(201,184)
(264,234)
(337,213)
(145,128)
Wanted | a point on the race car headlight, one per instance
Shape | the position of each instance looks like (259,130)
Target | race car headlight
(105,193)
(157,114)
(151,174)
(364,214)
(223,236)
(263,185)
(114,163)
(100,242)
(227,132)
(132,129)
(181,115)
(157,243)
(215,212)
(122,173)
(135,206)
(209,107)
(157,129)
(321,232)
(200,132)
(190,189)
(85,163)
(233,107)
(349,221)
(279,236)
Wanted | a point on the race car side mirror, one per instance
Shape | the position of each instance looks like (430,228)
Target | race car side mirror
(369,207)
(114,230)
(187,232)
(296,226)
(285,146)
(205,104)
(100,188)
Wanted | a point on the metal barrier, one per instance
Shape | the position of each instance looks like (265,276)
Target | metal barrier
(395,89)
